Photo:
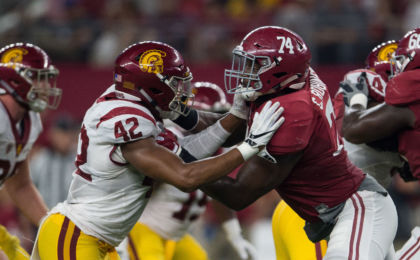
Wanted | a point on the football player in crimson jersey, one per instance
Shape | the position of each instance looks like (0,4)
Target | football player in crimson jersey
(162,231)
(27,85)
(305,161)
(376,163)
(398,115)
(118,157)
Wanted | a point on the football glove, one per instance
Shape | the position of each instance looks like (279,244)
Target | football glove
(263,127)
(351,89)
(242,246)
(239,107)
(169,140)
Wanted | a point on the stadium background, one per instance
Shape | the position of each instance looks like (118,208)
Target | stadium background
(83,37)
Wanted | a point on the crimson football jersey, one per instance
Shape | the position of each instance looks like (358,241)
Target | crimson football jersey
(324,177)
(403,90)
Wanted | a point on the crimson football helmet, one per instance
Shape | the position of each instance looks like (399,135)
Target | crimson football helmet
(269,59)
(209,97)
(27,74)
(156,73)
(379,58)
(407,55)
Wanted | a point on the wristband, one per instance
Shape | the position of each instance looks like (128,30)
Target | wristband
(359,99)
(247,151)
(188,122)
(232,228)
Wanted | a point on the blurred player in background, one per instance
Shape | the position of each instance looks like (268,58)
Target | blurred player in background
(162,231)
(305,161)
(119,159)
(379,158)
(28,86)
(398,115)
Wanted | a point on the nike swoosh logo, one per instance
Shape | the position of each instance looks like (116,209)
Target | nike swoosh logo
(251,136)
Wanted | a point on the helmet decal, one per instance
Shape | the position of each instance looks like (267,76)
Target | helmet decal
(385,54)
(27,74)
(151,61)
(14,55)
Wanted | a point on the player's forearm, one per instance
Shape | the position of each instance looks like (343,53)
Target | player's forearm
(29,201)
(208,170)
(368,125)
(230,193)
(206,142)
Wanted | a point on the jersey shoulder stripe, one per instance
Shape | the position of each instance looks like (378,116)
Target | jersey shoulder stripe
(123,111)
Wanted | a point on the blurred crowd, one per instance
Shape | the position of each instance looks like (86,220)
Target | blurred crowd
(95,31)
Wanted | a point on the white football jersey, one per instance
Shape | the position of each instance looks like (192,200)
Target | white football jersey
(378,85)
(107,195)
(170,211)
(16,140)
(376,163)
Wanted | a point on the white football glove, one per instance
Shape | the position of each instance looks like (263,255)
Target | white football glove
(355,93)
(267,156)
(242,246)
(263,127)
(239,107)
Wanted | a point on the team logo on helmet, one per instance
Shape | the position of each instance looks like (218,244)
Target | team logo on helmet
(385,54)
(14,55)
(151,61)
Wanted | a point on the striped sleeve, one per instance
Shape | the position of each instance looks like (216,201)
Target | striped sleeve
(122,124)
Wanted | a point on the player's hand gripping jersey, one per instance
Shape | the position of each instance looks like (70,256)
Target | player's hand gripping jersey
(324,177)
(16,140)
(403,90)
(115,118)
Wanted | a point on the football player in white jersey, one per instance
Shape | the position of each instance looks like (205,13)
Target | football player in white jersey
(27,87)
(162,231)
(378,158)
(118,157)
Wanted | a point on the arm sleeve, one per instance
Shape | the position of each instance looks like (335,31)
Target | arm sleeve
(206,142)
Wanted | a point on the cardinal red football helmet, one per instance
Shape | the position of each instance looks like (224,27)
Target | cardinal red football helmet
(407,55)
(379,58)
(156,73)
(269,58)
(27,74)
(210,97)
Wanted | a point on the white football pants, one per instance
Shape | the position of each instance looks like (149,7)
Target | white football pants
(411,249)
(365,229)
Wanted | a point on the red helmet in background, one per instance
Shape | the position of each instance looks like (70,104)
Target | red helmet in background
(269,59)
(27,74)
(210,97)
(156,73)
(379,58)
(407,55)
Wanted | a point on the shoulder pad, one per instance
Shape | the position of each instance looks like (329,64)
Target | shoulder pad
(122,123)
(296,130)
